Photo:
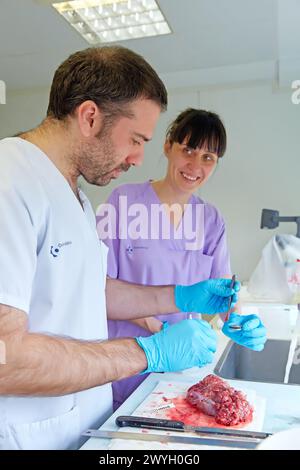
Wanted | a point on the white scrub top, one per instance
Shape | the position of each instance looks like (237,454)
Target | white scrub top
(54,269)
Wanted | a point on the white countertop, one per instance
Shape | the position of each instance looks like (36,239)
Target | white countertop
(282,409)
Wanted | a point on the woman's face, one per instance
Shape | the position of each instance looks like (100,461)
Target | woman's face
(188,168)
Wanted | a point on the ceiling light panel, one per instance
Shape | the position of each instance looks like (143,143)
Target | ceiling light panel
(102,21)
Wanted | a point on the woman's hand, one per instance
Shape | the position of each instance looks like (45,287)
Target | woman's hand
(252,334)
(151,324)
(210,297)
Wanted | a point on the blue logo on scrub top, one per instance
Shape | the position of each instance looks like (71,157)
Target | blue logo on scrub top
(130,249)
(54,251)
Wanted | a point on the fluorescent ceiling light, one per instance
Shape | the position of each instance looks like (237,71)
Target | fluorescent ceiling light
(102,21)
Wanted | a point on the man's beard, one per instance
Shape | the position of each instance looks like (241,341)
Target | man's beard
(98,161)
(106,178)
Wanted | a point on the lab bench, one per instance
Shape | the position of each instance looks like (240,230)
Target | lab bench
(282,400)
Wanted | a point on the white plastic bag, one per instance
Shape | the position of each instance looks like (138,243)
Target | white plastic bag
(277,275)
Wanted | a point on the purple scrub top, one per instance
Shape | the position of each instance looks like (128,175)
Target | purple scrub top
(160,261)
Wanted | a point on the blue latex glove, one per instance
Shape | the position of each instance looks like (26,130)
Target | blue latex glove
(212,296)
(183,345)
(252,335)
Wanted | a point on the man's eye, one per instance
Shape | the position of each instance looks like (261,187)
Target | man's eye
(136,142)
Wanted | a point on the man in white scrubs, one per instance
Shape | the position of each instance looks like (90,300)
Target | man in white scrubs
(56,363)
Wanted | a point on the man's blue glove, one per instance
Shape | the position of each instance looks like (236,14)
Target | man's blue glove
(212,296)
(252,335)
(183,345)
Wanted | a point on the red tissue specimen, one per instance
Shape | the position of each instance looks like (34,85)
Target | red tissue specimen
(214,397)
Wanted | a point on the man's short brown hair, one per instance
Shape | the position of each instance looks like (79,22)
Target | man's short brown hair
(110,76)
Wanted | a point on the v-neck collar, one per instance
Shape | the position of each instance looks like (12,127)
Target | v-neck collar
(157,200)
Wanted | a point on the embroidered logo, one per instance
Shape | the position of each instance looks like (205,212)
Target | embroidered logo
(130,249)
(55,250)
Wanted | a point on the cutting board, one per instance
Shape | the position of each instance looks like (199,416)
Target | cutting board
(167,401)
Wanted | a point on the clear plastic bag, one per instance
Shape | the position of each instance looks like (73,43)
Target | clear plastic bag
(277,275)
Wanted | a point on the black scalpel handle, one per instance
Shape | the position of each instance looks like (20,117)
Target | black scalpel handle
(152,423)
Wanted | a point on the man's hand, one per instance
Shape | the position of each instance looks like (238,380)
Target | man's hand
(181,346)
(252,335)
(210,297)
(151,324)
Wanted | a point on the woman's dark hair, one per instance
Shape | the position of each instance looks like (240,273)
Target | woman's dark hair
(112,77)
(201,128)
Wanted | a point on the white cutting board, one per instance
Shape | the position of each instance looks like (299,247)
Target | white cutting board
(161,396)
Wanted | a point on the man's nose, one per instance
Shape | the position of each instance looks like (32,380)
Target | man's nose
(136,158)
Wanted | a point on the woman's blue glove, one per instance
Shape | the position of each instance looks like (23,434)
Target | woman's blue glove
(252,335)
(183,345)
(212,296)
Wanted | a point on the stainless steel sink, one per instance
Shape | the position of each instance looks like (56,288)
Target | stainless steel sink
(268,365)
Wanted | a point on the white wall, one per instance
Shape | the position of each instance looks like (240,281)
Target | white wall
(261,168)
(23,110)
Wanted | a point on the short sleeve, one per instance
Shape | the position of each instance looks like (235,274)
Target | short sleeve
(221,259)
(18,248)
(107,219)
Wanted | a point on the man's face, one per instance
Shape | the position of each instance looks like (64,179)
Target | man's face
(120,145)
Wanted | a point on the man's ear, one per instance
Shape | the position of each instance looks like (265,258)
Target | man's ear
(90,118)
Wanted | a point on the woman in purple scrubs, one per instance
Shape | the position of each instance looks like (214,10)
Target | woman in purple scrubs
(183,246)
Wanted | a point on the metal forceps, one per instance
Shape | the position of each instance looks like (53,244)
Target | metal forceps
(232,327)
